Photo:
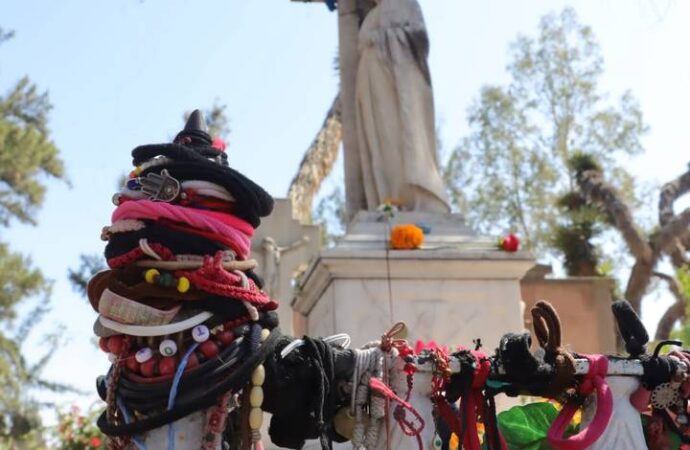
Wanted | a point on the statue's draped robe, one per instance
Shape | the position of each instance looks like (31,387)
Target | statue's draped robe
(395,111)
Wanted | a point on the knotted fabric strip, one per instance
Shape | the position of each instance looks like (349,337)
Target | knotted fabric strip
(472,405)
(595,380)
(214,279)
(407,427)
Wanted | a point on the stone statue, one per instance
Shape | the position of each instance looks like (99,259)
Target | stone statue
(272,253)
(395,111)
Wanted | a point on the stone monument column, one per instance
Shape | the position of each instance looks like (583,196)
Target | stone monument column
(458,286)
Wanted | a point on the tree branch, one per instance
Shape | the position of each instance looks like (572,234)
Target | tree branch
(316,164)
(597,191)
(675,312)
(672,231)
(670,192)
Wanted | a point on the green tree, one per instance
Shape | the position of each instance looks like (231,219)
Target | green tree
(27,157)
(512,168)
(580,223)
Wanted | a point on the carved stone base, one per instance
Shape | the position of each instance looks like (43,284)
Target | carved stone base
(457,288)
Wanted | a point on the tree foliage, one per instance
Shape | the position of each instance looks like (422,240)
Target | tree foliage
(27,158)
(511,169)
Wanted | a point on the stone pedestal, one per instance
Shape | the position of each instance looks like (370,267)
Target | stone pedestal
(457,288)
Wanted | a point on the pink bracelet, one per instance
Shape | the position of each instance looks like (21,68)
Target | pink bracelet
(230,226)
(594,380)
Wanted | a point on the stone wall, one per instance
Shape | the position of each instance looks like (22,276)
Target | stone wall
(584,305)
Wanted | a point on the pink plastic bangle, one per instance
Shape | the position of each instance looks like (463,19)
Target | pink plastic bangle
(594,380)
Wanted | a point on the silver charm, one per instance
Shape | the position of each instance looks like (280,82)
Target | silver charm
(665,395)
(160,187)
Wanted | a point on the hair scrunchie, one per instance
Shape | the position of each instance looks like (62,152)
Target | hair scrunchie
(594,380)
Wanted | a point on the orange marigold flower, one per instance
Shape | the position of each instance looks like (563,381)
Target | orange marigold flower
(406,237)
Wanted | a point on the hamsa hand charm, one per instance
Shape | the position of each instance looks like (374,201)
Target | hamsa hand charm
(160,187)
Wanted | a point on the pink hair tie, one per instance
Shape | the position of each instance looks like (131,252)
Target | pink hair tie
(594,380)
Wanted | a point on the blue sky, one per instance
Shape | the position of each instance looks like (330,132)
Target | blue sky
(121,73)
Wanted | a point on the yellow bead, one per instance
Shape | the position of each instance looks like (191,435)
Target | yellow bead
(256,396)
(256,418)
(259,375)
(137,170)
(151,276)
(183,285)
(264,334)
(344,422)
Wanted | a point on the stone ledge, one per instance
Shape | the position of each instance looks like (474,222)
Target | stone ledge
(416,265)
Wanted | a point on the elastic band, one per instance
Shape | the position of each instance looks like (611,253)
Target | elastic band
(124,310)
(157,330)
(247,264)
(208,235)
(233,382)
(220,223)
(173,393)
(209,189)
(594,380)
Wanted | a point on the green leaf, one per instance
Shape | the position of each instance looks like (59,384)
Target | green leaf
(525,427)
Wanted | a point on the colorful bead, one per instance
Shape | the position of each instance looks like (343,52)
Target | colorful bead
(209,349)
(192,361)
(200,333)
(168,347)
(167,366)
(116,344)
(437,443)
(259,375)
(133,184)
(148,368)
(265,332)
(112,358)
(226,337)
(183,285)
(132,364)
(256,396)
(144,354)
(166,280)
(256,418)
(103,344)
(151,276)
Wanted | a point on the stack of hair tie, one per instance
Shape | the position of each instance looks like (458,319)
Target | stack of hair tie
(181,312)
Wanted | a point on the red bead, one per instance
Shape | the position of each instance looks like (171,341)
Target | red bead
(226,337)
(116,344)
(148,368)
(209,349)
(132,364)
(192,361)
(103,344)
(167,365)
